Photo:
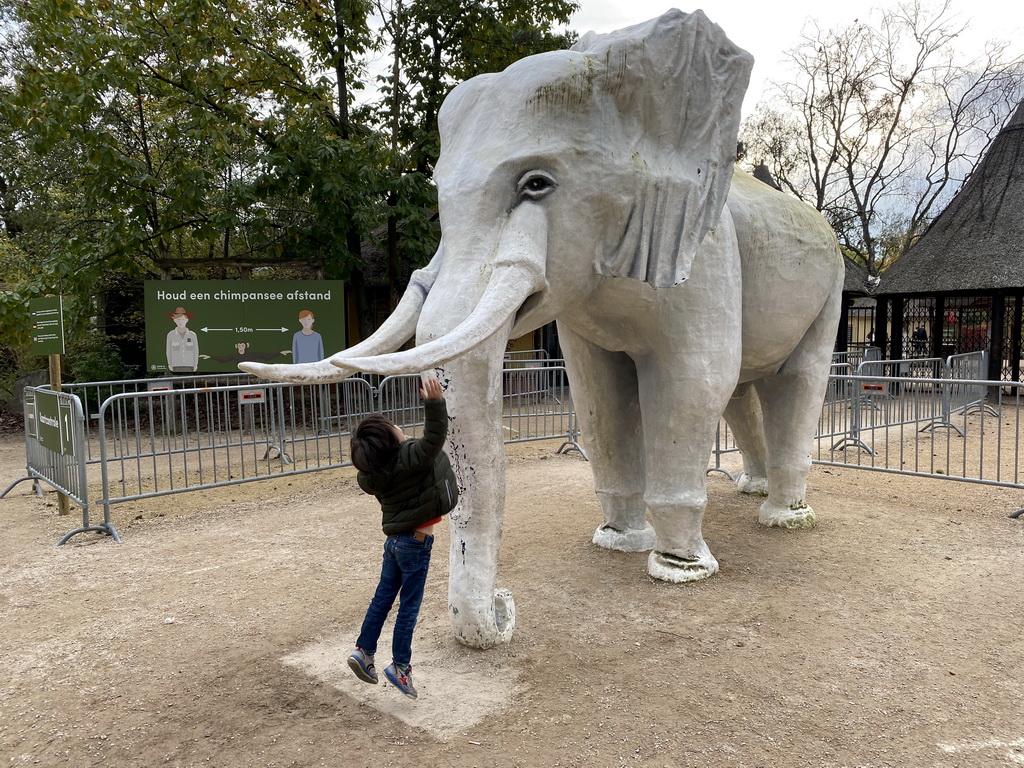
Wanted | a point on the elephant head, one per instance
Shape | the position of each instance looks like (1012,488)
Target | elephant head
(609,160)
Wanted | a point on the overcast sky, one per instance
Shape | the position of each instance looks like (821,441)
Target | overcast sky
(767,29)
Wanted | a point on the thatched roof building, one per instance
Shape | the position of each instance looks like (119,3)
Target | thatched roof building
(964,279)
(977,242)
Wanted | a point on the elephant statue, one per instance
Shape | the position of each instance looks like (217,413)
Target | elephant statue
(596,187)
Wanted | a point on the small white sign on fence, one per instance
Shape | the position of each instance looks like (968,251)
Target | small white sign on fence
(251,396)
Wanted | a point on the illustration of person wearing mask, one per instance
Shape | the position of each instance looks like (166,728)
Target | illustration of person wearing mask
(182,344)
(307,345)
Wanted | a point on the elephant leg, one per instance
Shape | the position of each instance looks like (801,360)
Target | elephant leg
(604,390)
(743,414)
(685,379)
(680,416)
(791,402)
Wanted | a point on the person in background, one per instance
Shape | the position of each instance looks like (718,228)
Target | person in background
(920,341)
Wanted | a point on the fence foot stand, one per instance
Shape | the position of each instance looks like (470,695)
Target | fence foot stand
(35,484)
(943,425)
(852,442)
(1015,515)
(572,445)
(725,472)
(277,454)
(981,409)
(107,528)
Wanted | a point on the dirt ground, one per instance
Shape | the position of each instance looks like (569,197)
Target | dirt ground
(215,634)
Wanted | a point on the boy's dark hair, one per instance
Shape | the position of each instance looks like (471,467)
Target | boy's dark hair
(374,443)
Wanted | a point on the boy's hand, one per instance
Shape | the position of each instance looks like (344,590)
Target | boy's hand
(431,390)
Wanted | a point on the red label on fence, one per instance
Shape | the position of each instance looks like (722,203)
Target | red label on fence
(872,387)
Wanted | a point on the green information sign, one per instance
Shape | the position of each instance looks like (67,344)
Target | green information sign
(209,326)
(47,325)
(55,423)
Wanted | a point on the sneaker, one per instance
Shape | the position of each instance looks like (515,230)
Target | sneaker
(401,678)
(361,663)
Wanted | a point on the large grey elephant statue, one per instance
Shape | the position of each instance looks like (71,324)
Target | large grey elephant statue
(596,187)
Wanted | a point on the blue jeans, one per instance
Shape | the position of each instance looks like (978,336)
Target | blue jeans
(403,575)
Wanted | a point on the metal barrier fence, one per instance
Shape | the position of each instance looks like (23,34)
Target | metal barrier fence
(160,442)
(537,404)
(856,356)
(980,441)
(725,444)
(92,394)
(147,441)
(864,414)
(916,420)
(150,441)
(55,452)
(843,363)
(527,358)
(890,392)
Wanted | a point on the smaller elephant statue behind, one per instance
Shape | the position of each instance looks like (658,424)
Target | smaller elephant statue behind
(595,187)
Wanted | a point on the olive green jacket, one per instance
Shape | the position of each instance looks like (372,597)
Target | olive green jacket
(420,486)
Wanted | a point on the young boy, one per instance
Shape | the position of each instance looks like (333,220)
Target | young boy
(415,485)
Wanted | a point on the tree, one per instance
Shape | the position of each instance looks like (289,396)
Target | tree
(39,209)
(431,46)
(191,118)
(882,122)
(191,134)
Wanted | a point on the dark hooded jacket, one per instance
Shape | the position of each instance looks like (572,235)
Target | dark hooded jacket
(420,485)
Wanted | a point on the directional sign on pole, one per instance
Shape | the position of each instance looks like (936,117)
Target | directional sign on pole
(47,325)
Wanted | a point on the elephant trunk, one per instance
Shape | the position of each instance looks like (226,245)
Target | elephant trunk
(481,615)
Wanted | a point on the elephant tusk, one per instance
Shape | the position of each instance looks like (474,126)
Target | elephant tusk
(519,271)
(393,333)
(508,288)
(321,372)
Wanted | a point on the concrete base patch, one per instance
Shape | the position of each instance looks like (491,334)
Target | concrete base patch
(458,687)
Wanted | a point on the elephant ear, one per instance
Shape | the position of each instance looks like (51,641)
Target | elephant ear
(677,84)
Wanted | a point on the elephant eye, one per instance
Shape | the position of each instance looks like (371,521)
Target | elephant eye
(535,185)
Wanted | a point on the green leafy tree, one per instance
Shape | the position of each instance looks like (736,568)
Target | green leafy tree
(436,44)
(197,134)
(199,127)
(39,212)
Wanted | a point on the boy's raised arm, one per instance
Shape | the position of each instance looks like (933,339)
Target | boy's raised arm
(435,427)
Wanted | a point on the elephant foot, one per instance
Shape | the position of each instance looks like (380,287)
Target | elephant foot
(678,569)
(485,626)
(796,517)
(755,485)
(630,540)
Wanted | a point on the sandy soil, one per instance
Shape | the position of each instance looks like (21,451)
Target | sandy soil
(215,634)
